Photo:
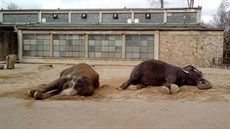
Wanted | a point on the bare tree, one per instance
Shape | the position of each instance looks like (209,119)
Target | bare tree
(156,3)
(190,3)
(222,18)
(12,6)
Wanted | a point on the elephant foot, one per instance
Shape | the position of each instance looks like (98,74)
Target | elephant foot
(140,86)
(119,88)
(123,87)
(31,93)
(174,89)
(39,95)
(164,90)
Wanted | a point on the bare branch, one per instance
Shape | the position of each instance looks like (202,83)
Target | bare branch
(156,3)
(222,18)
(12,6)
(190,3)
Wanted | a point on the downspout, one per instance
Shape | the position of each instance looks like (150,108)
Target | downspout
(19,35)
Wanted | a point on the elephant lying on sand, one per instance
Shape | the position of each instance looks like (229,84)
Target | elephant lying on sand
(79,79)
(156,73)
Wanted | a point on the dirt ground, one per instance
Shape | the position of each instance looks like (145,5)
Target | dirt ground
(15,83)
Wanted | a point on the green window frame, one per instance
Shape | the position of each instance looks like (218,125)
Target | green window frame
(36,45)
(105,46)
(69,45)
(139,46)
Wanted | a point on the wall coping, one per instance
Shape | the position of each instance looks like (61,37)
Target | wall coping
(114,27)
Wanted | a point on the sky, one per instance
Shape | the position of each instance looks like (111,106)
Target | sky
(209,7)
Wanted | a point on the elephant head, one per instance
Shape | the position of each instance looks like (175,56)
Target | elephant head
(195,77)
(78,86)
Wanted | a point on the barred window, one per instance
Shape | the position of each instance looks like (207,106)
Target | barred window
(181,17)
(105,46)
(139,46)
(37,45)
(71,45)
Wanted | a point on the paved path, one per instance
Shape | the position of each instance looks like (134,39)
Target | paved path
(47,114)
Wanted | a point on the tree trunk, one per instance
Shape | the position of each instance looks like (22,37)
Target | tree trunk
(162,3)
(190,3)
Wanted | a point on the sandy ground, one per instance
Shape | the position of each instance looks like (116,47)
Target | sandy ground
(110,107)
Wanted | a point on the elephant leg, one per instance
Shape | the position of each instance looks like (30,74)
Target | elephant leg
(132,80)
(167,85)
(126,84)
(39,95)
(55,86)
(140,86)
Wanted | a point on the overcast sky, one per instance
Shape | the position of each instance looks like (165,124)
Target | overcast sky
(209,7)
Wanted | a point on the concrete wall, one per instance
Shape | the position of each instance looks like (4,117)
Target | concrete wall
(190,47)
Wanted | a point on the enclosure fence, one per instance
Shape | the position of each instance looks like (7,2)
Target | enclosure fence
(222,62)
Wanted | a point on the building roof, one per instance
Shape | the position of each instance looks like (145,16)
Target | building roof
(102,19)
(102,9)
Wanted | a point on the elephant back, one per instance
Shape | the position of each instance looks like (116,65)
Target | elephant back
(82,69)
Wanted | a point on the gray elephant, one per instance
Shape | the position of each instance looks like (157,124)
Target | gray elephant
(80,79)
(10,61)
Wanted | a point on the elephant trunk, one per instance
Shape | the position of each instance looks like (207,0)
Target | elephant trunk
(204,84)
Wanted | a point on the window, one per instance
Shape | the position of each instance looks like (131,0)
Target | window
(181,17)
(139,46)
(71,45)
(105,46)
(37,45)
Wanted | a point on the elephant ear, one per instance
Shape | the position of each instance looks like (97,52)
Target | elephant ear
(185,71)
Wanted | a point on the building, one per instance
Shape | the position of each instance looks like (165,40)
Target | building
(114,36)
